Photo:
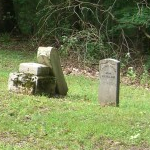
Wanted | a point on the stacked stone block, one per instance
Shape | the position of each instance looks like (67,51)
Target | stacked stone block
(39,78)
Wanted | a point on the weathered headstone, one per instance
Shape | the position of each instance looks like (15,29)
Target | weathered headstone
(49,56)
(32,78)
(109,82)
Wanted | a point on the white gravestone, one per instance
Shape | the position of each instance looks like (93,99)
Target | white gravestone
(49,56)
(109,82)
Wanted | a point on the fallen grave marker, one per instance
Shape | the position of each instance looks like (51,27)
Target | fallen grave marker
(49,56)
(45,77)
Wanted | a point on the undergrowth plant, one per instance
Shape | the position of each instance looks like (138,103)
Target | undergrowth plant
(131,73)
(87,45)
(5,38)
(86,28)
(145,76)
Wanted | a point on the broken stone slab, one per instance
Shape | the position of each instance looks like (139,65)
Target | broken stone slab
(49,56)
(31,84)
(34,68)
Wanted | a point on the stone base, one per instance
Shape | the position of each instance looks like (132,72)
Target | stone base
(31,84)
(34,68)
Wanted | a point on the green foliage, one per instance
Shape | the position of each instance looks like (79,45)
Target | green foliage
(5,37)
(97,26)
(145,76)
(87,45)
(101,29)
(26,15)
(131,73)
(60,13)
(132,17)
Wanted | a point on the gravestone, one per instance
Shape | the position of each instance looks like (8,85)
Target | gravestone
(49,56)
(109,82)
(32,78)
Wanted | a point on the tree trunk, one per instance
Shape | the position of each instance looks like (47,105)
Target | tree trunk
(7,16)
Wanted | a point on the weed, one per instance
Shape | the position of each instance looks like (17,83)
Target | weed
(5,37)
(145,75)
(131,73)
